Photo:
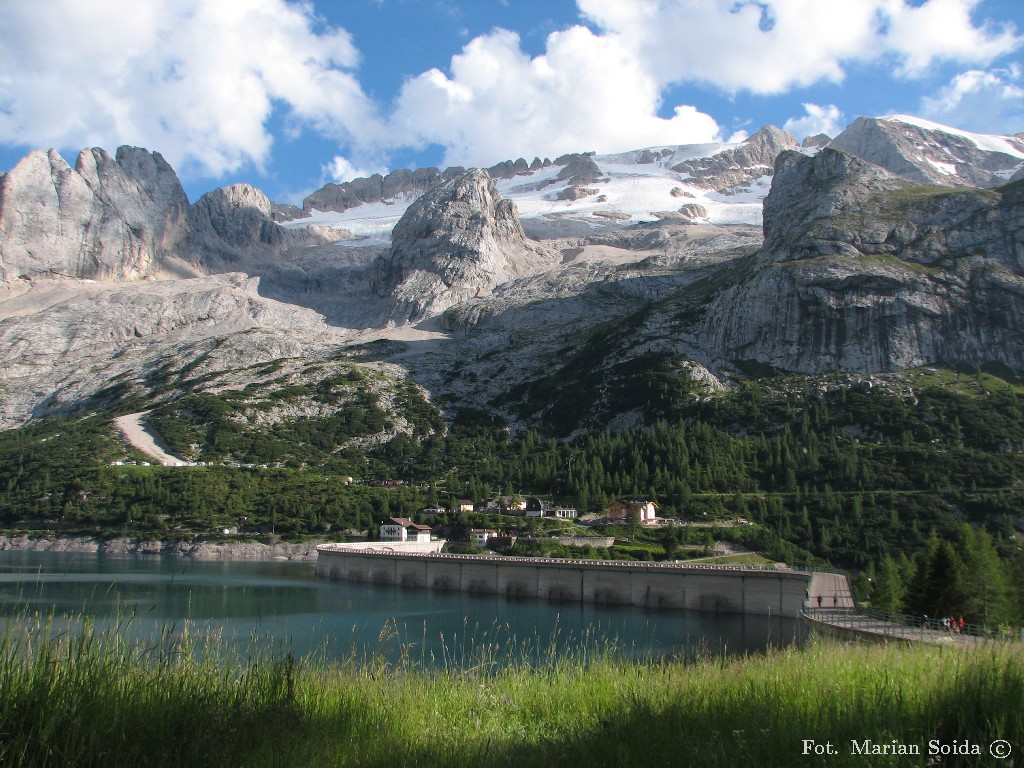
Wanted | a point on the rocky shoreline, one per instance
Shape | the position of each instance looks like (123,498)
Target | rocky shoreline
(197,550)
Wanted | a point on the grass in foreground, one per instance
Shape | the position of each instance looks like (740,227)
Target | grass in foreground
(91,699)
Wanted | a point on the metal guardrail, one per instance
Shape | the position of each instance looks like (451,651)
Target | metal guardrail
(905,626)
(681,565)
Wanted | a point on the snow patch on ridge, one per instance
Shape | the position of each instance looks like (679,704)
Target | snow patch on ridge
(1003,144)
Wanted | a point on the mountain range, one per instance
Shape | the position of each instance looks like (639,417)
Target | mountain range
(539,292)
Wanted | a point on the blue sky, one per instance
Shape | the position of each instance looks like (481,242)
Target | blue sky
(289,95)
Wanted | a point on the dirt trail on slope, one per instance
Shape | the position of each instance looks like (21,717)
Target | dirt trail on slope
(139,436)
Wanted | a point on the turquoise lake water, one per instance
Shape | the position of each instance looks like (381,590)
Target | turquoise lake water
(280,607)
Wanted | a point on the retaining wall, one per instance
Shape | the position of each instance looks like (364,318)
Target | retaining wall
(723,589)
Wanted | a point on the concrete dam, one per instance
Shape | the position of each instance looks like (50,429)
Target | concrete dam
(716,588)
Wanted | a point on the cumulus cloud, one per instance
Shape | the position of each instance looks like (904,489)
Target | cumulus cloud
(771,46)
(341,169)
(209,82)
(980,101)
(816,119)
(197,80)
(600,87)
(587,92)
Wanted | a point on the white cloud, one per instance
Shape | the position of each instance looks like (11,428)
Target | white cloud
(587,92)
(197,80)
(206,82)
(980,101)
(772,46)
(602,89)
(943,29)
(340,170)
(817,119)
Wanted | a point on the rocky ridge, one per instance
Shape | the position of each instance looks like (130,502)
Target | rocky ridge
(375,189)
(583,179)
(928,153)
(196,550)
(861,269)
(106,218)
(752,159)
(127,218)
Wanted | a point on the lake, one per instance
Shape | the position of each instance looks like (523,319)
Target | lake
(282,607)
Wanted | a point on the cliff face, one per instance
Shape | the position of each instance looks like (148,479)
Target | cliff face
(107,218)
(118,219)
(456,242)
(863,271)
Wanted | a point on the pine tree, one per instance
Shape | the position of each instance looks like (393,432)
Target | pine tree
(888,587)
(935,589)
(986,593)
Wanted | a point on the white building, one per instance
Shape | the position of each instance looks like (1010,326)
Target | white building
(404,529)
(624,510)
(480,536)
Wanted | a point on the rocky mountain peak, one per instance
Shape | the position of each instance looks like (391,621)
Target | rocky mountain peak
(932,154)
(806,190)
(466,210)
(107,218)
(753,159)
(240,216)
(770,139)
(135,169)
(375,189)
(457,241)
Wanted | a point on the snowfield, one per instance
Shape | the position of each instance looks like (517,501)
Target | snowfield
(628,193)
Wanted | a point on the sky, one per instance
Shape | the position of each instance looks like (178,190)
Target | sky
(289,95)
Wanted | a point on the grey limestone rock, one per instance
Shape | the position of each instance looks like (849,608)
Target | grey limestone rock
(458,241)
(817,141)
(107,218)
(578,170)
(282,212)
(375,189)
(924,155)
(239,216)
(121,218)
(864,271)
(693,211)
(575,193)
(751,160)
(512,168)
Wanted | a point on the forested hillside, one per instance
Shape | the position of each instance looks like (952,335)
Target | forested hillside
(859,473)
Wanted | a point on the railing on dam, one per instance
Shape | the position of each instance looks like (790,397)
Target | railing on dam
(567,561)
(900,626)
